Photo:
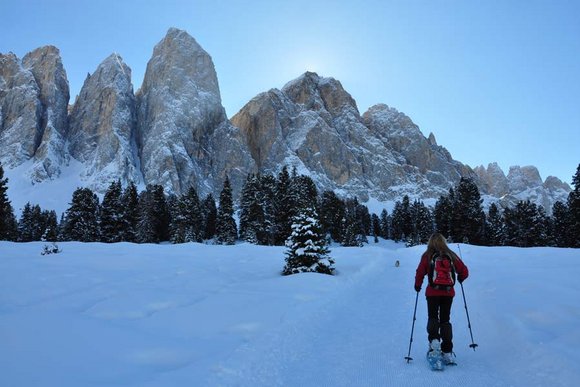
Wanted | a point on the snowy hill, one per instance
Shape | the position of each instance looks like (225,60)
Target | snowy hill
(192,314)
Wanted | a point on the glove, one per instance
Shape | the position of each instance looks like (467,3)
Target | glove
(461,280)
(417,288)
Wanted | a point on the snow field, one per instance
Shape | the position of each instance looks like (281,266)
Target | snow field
(193,314)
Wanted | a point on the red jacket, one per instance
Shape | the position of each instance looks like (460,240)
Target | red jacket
(423,270)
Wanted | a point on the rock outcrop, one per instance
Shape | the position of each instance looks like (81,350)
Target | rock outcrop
(521,183)
(184,136)
(34,98)
(45,64)
(20,112)
(103,126)
(315,125)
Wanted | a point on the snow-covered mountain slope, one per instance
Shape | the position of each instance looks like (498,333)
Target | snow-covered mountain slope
(174,132)
(177,315)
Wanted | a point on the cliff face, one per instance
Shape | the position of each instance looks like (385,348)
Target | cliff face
(174,132)
(34,97)
(315,124)
(181,120)
(103,126)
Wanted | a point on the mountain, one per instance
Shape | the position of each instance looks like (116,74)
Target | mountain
(185,137)
(34,97)
(314,124)
(174,131)
(103,125)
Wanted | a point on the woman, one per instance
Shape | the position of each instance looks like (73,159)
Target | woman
(440,294)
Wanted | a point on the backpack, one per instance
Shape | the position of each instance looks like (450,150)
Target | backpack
(441,271)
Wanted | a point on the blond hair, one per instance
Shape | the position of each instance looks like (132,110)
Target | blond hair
(438,243)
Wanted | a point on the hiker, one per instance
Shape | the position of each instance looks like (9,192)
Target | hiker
(442,266)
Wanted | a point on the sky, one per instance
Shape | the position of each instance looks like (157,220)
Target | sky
(494,81)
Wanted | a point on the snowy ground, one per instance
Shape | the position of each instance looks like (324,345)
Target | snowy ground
(198,315)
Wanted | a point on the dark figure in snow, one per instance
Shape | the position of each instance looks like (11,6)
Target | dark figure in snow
(442,266)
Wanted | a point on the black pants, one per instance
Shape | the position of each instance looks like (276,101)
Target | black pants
(438,325)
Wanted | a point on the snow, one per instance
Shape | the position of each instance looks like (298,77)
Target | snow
(193,314)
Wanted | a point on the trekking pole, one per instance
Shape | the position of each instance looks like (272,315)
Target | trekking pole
(472,345)
(408,357)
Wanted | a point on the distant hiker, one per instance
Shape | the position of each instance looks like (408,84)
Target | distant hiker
(442,266)
(397,263)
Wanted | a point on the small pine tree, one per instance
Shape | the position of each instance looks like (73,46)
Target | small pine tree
(284,207)
(573,235)
(376,226)
(422,224)
(154,217)
(8,223)
(81,222)
(495,227)
(468,216)
(354,233)
(130,203)
(561,224)
(209,213)
(112,222)
(226,229)
(332,212)
(385,224)
(307,250)
(50,233)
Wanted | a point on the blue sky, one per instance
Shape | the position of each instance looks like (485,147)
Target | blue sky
(493,80)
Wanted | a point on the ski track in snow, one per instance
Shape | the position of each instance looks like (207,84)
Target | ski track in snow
(356,340)
(182,315)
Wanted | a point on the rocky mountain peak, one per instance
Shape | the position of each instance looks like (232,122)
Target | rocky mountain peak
(431,139)
(179,57)
(103,123)
(521,178)
(180,115)
(34,97)
(317,93)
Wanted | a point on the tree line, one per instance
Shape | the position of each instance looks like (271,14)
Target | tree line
(269,207)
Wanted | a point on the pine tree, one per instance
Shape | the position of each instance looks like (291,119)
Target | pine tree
(178,220)
(50,233)
(443,214)
(25,225)
(81,221)
(284,207)
(226,229)
(561,224)
(112,222)
(402,222)
(191,208)
(307,250)
(332,211)
(304,192)
(154,217)
(130,203)
(468,216)
(385,224)
(353,233)
(8,224)
(251,213)
(422,223)
(495,228)
(146,224)
(376,226)
(209,213)
(523,225)
(267,200)
(573,234)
